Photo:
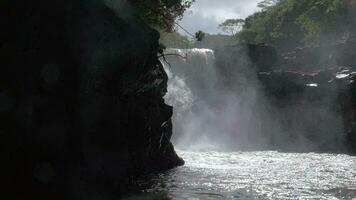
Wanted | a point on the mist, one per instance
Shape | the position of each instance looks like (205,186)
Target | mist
(212,115)
(223,101)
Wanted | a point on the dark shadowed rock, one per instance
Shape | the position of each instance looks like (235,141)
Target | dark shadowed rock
(81,107)
(313,104)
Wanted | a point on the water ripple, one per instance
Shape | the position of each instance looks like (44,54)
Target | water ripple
(258,175)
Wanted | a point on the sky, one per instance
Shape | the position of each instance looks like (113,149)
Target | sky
(206,15)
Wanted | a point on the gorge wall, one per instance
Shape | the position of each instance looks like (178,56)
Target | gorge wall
(305,97)
(81,101)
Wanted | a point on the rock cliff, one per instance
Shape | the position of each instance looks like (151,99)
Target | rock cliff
(81,101)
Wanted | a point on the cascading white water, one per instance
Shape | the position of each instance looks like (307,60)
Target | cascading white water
(206,115)
(210,114)
(192,80)
(178,93)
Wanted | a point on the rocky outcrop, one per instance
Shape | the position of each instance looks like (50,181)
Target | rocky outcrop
(317,107)
(311,79)
(326,77)
(81,101)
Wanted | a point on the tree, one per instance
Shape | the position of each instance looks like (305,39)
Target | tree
(232,26)
(162,13)
(199,36)
(290,23)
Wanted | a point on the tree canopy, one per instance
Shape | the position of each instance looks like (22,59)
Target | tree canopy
(162,13)
(288,23)
(231,26)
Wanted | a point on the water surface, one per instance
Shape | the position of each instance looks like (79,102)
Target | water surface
(255,175)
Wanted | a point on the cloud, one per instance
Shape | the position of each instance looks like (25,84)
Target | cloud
(206,15)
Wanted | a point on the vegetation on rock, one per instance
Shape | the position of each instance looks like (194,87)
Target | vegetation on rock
(290,23)
(162,13)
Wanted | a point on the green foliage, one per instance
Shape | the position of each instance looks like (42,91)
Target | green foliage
(199,36)
(312,29)
(288,23)
(161,13)
(231,26)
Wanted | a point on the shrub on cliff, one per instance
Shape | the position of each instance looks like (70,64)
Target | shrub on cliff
(162,13)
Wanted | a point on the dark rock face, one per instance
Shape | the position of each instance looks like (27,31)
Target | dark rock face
(310,78)
(81,101)
(306,101)
(316,106)
(348,102)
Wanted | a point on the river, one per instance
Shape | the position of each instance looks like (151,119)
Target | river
(254,175)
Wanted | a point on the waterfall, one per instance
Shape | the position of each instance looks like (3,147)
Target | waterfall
(220,104)
(206,115)
(192,78)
